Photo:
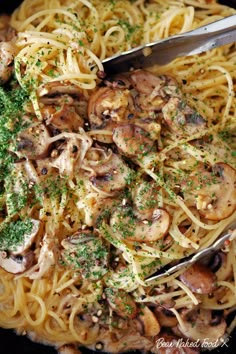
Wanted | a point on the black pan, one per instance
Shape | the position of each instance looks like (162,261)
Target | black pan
(10,343)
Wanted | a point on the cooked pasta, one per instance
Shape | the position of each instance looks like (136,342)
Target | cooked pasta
(105,180)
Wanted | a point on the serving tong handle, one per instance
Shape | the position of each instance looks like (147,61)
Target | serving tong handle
(161,52)
(230,234)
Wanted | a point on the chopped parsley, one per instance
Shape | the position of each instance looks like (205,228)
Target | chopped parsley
(11,108)
(88,257)
(12,233)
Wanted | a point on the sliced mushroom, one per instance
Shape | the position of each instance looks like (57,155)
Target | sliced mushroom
(87,253)
(58,88)
(151,126)
(199,279)
(181,118)
(165,317)
(106,108)
(65,118)
(213,192)
(145,82)
(130,228)
(121,81)
(7,54)
(153,91)
(16,264)
(132,141)
(199,325)
(150,322)
(110,176)
(28,238)
(33,142)
(106,104)
(121,302)
(63,105)
(145,198)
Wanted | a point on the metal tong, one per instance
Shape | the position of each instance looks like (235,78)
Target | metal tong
(226,235)
(162,52)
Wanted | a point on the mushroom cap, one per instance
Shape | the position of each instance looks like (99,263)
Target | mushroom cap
(16,264)
(66,118)
(199,279)
(165,318)
(132,140)
(145,198)
(57,88)
(181,118)
(110,174)
(121,302)
(133,229)
(146,82)
(33,142)
(107,104)
(199,327)
(213,192)
(152,91)
(7,54)
(28,238)
(86,253)
(150,322)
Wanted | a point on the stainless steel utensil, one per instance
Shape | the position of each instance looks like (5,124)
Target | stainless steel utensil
(229,234)
(162,52)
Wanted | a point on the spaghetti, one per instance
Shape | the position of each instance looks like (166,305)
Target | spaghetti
(106,180)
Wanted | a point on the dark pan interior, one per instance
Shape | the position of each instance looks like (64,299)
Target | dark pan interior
(10,343)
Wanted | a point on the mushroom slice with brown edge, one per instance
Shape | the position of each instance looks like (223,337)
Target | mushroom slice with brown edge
(106,108)
(199,325)
(132,141)
(151,126)
(213,192)
(145,198)
(121,303)
(199,279)
(16,264)
(120,81)
(33,142)
(150,322)
(145,82)
(57,88)
(64,105)
(165,317)
(111,176)
(153,91)
(130,228)
(65,118)
(181,118)
(28,238)
(86,252)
